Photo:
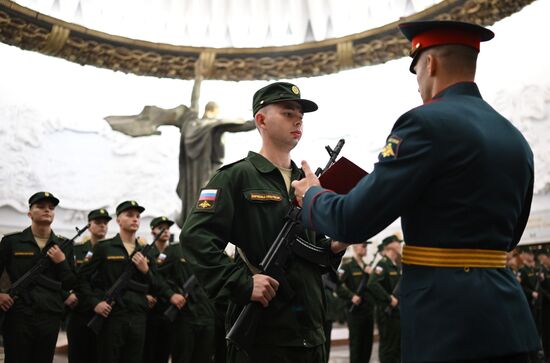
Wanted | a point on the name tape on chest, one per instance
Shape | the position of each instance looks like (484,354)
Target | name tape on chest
(115,258)
(23,253)
(266,197)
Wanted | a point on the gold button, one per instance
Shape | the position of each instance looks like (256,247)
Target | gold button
(466,269)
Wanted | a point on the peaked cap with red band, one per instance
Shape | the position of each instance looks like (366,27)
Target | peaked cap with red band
(427,34)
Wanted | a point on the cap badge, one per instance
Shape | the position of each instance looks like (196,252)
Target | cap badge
(102,211)
(163,218)
(46,194)
(295,90)
(133,202)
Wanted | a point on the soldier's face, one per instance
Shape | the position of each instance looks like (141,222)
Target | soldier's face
(99,227)
(281,124)
(360,250)
(165,235)
(129,220)
(42,212)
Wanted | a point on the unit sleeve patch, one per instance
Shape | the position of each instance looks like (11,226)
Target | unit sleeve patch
(207,199)
(391,150)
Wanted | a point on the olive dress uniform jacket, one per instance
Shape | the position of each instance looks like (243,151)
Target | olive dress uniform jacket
(351,277)
(251,200)
(19,252)
(107,263)
(382,283)
(460,176)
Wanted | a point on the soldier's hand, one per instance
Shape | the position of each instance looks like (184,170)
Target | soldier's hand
(56,254)
(6,302)
(71,301)
(356,300)
(264,290)
(103,309)
(301,186)
(368,269)
(178,300)
(151,300)
(394,301)
(141,263)
(535,295)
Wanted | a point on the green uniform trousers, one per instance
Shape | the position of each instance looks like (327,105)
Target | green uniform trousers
(390,338)
(82,340)
(327,328)
(122,338)
(361,329)
(192,343)
(30,338)
(275,354)
(157,339)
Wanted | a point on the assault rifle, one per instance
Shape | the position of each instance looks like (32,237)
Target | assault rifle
(189,291)
(362,284)
(390,310)
(20,288)
(243,331)
(121,285)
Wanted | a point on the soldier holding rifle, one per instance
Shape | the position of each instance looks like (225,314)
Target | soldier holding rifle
(245,203)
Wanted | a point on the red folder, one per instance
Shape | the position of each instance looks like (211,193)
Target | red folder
(342,176)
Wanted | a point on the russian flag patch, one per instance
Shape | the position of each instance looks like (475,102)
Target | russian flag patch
(207,199)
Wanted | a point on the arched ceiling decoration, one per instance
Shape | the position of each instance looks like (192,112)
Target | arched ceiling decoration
(30,30)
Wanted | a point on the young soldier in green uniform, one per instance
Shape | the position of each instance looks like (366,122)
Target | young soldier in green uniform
(382,283)
(461,178)
(82,340)
(245,203)
(123,334)
(32,322)
(528,276)
(360,305)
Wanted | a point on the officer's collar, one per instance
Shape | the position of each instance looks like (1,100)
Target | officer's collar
(265,166)
(461,88)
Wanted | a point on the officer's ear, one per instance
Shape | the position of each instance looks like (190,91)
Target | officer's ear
(259,119)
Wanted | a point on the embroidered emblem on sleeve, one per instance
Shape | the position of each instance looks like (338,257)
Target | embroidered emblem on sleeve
(207,199)
(391,149)
(378,270)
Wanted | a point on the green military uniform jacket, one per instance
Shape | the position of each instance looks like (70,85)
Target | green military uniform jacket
(382,282)
(82,253)
(528,278)
(175,271)
(107,263)
(19,252)
(351,276)
(245,204)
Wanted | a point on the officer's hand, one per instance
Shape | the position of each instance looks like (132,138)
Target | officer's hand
(178,300)
(71,301)
(301,186)
(337,247)
(141,262)
(56,254)
(356,300)
(368,269)
(535,295)
(151,300)
(264,289)
(394,301)
(103,309)
(6,302)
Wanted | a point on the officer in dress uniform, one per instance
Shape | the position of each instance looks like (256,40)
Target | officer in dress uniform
(360,304)
(460,176)
(245,203)
(82,340)
(382,284)
(32,321)
(122,336)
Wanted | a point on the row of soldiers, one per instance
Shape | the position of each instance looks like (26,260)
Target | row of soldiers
(79,278)
(135,326)
(531,265)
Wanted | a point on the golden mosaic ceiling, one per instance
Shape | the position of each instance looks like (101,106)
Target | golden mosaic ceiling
(30,30)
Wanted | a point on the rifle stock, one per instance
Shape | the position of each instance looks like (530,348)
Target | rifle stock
(243,331)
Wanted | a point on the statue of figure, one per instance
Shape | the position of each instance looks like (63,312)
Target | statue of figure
(201,145)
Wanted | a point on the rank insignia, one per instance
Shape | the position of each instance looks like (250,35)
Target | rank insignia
(392,147)
(207,199)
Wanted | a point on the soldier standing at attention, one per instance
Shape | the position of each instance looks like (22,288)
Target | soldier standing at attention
(32,321)
(461,178)
(82,341)
(382,283)
(360,305)
(245,204)
(123,333)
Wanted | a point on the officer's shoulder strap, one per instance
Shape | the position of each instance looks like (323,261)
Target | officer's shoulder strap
(12,234)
